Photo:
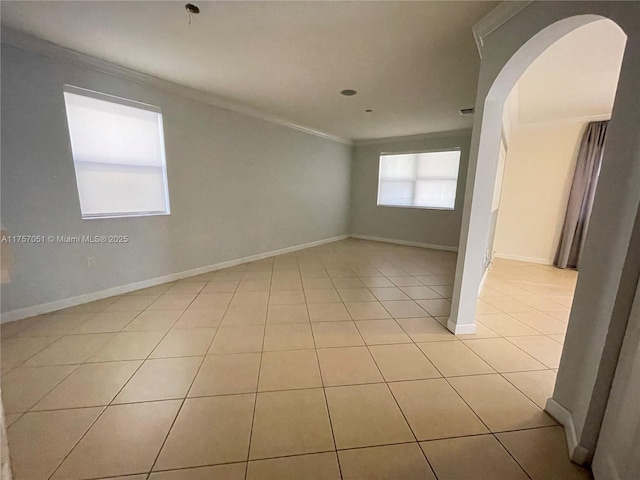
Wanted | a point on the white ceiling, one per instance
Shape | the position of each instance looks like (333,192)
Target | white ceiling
(576,78)
(414,63)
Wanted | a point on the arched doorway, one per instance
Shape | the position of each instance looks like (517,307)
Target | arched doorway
(603,296)
(524,298)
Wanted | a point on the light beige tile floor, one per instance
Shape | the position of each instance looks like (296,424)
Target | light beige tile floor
(402,462)
(327,363)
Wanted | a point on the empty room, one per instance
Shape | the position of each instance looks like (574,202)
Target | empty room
(320,240)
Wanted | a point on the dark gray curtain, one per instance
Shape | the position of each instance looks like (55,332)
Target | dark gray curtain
(583,189)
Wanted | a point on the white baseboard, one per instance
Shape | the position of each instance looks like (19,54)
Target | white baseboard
(520,258)
(152,282)
(461,329)
(577,453)
(405,242)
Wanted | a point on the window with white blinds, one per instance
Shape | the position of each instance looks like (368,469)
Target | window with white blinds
(118,153)
(421,180)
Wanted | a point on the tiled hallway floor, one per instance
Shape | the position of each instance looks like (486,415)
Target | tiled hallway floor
(326,363)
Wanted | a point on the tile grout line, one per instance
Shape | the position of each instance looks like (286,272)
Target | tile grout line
(510,455)
(494,434)
(546,367)
(41,398)
(540,361)
(527,396)
(255,397)
(451,386)
(184,400)
(324,390)
(517,320)
(517,346)
(404,416)
(262,351)
(489,431)
(104,408)
(76,365)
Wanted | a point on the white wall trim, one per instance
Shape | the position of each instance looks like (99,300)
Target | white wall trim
(467,329)
(41,309)
(495,18)
(152,282)
(42,47)
(521,258)
(405,242)
(413,138)
(577,453)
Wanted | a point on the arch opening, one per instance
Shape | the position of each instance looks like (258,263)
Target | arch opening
(500,71)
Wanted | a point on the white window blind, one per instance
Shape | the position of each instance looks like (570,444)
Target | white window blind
(423,180)
(118,153)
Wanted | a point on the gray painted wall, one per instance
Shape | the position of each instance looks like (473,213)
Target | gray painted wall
(238,186)
(435,227)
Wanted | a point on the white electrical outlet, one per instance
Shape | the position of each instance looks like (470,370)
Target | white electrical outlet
(91,262)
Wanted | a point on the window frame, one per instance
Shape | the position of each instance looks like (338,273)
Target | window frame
(128,103)
(415,178)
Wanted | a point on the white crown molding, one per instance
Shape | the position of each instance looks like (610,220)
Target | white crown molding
(152,282)
(42,47)
(495,18)
(565,121)
(413,138)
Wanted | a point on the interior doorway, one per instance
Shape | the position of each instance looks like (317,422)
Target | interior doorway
(524,298)
(569,86)
(604,293)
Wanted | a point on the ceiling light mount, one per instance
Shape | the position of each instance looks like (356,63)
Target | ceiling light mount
(348,92)
(191,10)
